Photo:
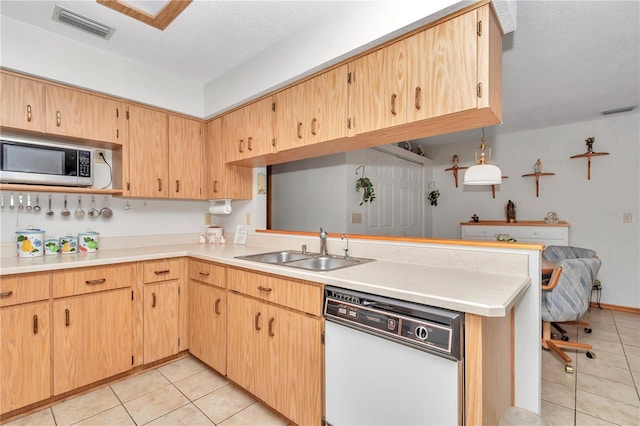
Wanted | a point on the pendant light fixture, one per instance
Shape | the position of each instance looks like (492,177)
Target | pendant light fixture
(483,173)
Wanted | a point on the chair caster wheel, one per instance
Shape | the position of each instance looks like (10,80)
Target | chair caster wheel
(568,369)
(565,338)
(587,330)
(591,355)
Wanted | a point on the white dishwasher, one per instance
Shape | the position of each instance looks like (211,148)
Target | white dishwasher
(391,362)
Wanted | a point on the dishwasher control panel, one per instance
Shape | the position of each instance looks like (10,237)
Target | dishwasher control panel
(401,321)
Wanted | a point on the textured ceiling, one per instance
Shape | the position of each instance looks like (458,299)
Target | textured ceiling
(566,61)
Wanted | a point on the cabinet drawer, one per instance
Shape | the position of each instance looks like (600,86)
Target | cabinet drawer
(161,270)
(539,232)
(208,273)
(476,232)
(24,288)
(303,296)
(91,280)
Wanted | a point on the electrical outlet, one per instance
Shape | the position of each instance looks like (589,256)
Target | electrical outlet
(208,219)
(100,158)
(627,217)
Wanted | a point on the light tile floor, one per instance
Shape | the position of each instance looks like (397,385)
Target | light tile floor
(603,390)
(184,392)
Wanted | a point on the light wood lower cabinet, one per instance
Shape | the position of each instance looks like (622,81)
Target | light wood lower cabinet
(276,354)
(160,321)
(91,338)
(208,314)
(161,298)
(25,355)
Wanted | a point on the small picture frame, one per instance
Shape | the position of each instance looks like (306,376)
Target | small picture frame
(241,235)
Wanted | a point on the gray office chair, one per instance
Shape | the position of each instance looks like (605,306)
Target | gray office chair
(566,298)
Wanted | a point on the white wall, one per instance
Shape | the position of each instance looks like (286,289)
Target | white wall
(31,50)
(593,207)
(350,29)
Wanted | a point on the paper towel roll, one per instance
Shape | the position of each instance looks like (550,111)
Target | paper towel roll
(220,209)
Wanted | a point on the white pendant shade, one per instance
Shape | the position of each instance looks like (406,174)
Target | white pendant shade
(482,174)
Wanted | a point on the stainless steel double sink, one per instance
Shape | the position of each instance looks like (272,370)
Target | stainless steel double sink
(308,261)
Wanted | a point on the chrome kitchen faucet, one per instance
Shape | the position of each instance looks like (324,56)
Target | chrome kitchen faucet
(323,242)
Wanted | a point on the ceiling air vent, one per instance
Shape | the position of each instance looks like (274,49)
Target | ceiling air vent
(83,23)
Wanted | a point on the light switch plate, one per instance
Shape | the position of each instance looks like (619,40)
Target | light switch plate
(356,217)
(627,217)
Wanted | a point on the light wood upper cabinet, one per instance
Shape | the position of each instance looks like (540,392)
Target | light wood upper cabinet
(222,180)
(25,355)
(248,131)
(82,115)
(380,88)
(91,338)
(186,161)
(21,103)
(313,111)
(148,151)
(443,76)
(429,74)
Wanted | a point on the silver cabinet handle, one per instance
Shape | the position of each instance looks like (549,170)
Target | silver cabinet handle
(6,293)
(97,281)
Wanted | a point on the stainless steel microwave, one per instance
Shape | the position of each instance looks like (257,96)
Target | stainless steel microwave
(43,163)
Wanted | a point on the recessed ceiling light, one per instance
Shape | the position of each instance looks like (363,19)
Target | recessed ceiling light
(157,13)
(618,110)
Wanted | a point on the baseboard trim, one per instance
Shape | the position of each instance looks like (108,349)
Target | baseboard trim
(615,307)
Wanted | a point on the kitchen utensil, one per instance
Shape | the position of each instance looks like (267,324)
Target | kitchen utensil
(65,211)
(20,206)
(2,201)
(11,206)
(79,212)
(106,212)
(93,212)
(49,212)
(37,207)
(127,206)
(29,202)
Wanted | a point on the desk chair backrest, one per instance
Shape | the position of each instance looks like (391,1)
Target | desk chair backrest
(555,253)
(569,298)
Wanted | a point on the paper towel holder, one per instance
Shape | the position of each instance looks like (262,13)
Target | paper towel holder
(222,206)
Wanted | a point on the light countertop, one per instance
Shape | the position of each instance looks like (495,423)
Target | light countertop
(481,293)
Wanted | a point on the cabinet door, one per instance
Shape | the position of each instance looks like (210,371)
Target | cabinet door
(21,103)
(290,127)
(91,338)
(148,150)
(25,351)
(380,88)
(444,68)
(248,131)
(185,158)
(247,357)
(208,325)
(160,320)
(258,127)
(300,356)
(326,110)
(78,114)
(222,180)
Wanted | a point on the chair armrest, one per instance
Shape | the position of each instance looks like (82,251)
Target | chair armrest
(554,279)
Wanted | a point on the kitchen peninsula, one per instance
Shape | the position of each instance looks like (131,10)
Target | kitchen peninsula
(492,283)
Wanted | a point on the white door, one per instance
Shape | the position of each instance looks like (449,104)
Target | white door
(399,204)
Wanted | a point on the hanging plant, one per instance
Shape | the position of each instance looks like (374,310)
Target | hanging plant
(433,197)
(366,186)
